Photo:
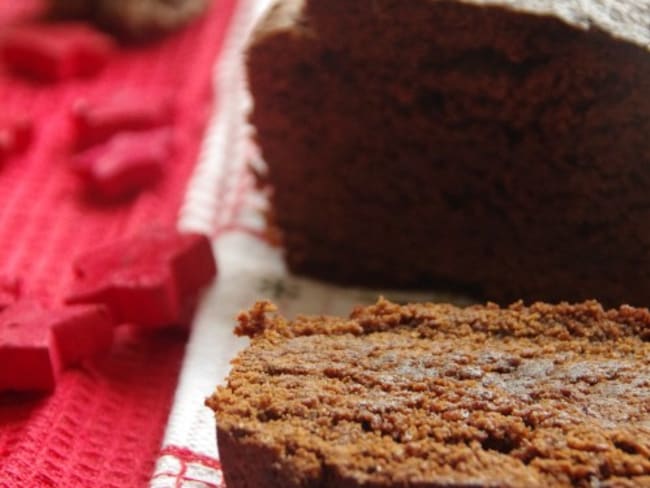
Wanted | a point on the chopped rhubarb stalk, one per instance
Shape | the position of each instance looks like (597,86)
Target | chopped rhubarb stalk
(37,341)
(148,279)
(56,51)
(126,164)
(81,332)
(29,359)
(96,122)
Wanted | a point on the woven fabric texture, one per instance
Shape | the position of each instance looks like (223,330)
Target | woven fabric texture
(103,425)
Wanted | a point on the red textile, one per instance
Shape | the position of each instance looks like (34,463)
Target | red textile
(104,424)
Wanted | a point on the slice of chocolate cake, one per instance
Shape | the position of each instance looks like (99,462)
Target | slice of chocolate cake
(438,396)
(500,146)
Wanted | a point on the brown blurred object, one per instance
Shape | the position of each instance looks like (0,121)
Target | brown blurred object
(134,20)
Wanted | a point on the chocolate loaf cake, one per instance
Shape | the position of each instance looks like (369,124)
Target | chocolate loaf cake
(499,146)
(438,396)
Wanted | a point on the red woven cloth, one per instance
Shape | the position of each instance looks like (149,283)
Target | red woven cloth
(104,424)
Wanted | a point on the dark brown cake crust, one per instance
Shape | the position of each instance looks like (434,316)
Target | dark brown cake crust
(499,146)
(438,396)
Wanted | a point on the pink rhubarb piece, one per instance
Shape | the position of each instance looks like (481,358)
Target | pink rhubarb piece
(150,279)
(126,164)
(96,122)
(81,331)
(56,51)
(36,342)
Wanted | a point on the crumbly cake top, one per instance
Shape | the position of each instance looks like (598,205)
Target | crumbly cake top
(628,20)
(483,396)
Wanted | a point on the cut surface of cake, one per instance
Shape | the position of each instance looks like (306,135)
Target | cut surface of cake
(497,146)
(431,395)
